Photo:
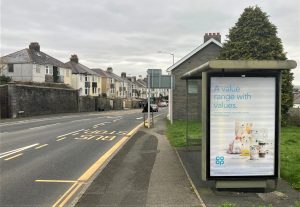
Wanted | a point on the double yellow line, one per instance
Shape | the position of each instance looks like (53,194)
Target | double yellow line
(64,199)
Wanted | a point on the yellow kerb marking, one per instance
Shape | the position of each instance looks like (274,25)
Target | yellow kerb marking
(13,157)
(89,173)
(56,181)
(106,155)
(64,195)
(70,195)
(44,145)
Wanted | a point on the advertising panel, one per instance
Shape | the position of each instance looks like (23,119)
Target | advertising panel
(242,126)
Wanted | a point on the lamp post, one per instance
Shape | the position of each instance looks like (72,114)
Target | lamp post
(173,56)
(171,90)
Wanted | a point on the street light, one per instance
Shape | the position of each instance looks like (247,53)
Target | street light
(171,90)
(167,53)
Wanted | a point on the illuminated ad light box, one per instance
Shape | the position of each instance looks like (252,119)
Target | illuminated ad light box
(242,125)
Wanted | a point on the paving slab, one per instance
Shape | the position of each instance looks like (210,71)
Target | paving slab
(283,196)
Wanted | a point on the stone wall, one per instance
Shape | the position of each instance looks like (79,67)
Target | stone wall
(117,104)
(33,100)
(4,105)
(210,52)
(102,104)
(86,103)
(18,100)
(133,104)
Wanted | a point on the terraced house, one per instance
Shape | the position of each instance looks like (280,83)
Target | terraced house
(110,82)
(84,79)
(105,81)
(33,65)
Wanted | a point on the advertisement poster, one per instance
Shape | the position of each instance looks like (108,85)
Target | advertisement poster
(242,126)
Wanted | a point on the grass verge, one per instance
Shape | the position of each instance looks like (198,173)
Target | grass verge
(290,155)
(176,132)
(289,147)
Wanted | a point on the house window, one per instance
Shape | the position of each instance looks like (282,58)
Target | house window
(87,91)
(61,72)
(47,69)
(67,72)
(86,78)
(38,69)
(94,90)
(10,68)
(192,86)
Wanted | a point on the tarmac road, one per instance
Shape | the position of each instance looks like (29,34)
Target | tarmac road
(43,158)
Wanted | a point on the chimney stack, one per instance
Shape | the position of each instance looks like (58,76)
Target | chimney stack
(34,46)
(74,58)
(123,75)
(216,36)
(109,70)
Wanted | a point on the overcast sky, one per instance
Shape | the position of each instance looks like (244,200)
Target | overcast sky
(127,34)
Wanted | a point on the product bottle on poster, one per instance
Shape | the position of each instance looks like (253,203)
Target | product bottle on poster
(256,136)
(262,149)
(254,152)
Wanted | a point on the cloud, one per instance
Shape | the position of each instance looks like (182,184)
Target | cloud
(127,34)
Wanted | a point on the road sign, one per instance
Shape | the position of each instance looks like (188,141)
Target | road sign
(159,81)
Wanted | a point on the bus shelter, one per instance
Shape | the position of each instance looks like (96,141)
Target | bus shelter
(241,121)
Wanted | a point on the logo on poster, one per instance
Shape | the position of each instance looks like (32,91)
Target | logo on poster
(220,160)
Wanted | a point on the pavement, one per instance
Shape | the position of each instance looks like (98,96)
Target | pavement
(283,196)
(147,171)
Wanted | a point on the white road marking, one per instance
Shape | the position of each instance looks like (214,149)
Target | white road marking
(139,118)
(41,146)
(44,126)
(34,120)
(111,117)
(9,158)
(5,154)
(61,139)
(80,120)
(70,133)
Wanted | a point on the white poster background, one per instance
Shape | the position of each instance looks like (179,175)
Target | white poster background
(248,99)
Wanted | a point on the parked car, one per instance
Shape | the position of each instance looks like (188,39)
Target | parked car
(154,107)
(162,104)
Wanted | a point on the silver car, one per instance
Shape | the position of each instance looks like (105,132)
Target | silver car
(154,107)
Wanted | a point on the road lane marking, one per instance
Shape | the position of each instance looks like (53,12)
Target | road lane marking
(41,146)
(44,126)
(80,120)
(35,120)
(56,181)
(91,171)
(5,154)
(61,139)
(9,158)
(139,118)
(70,133)
(112,117)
